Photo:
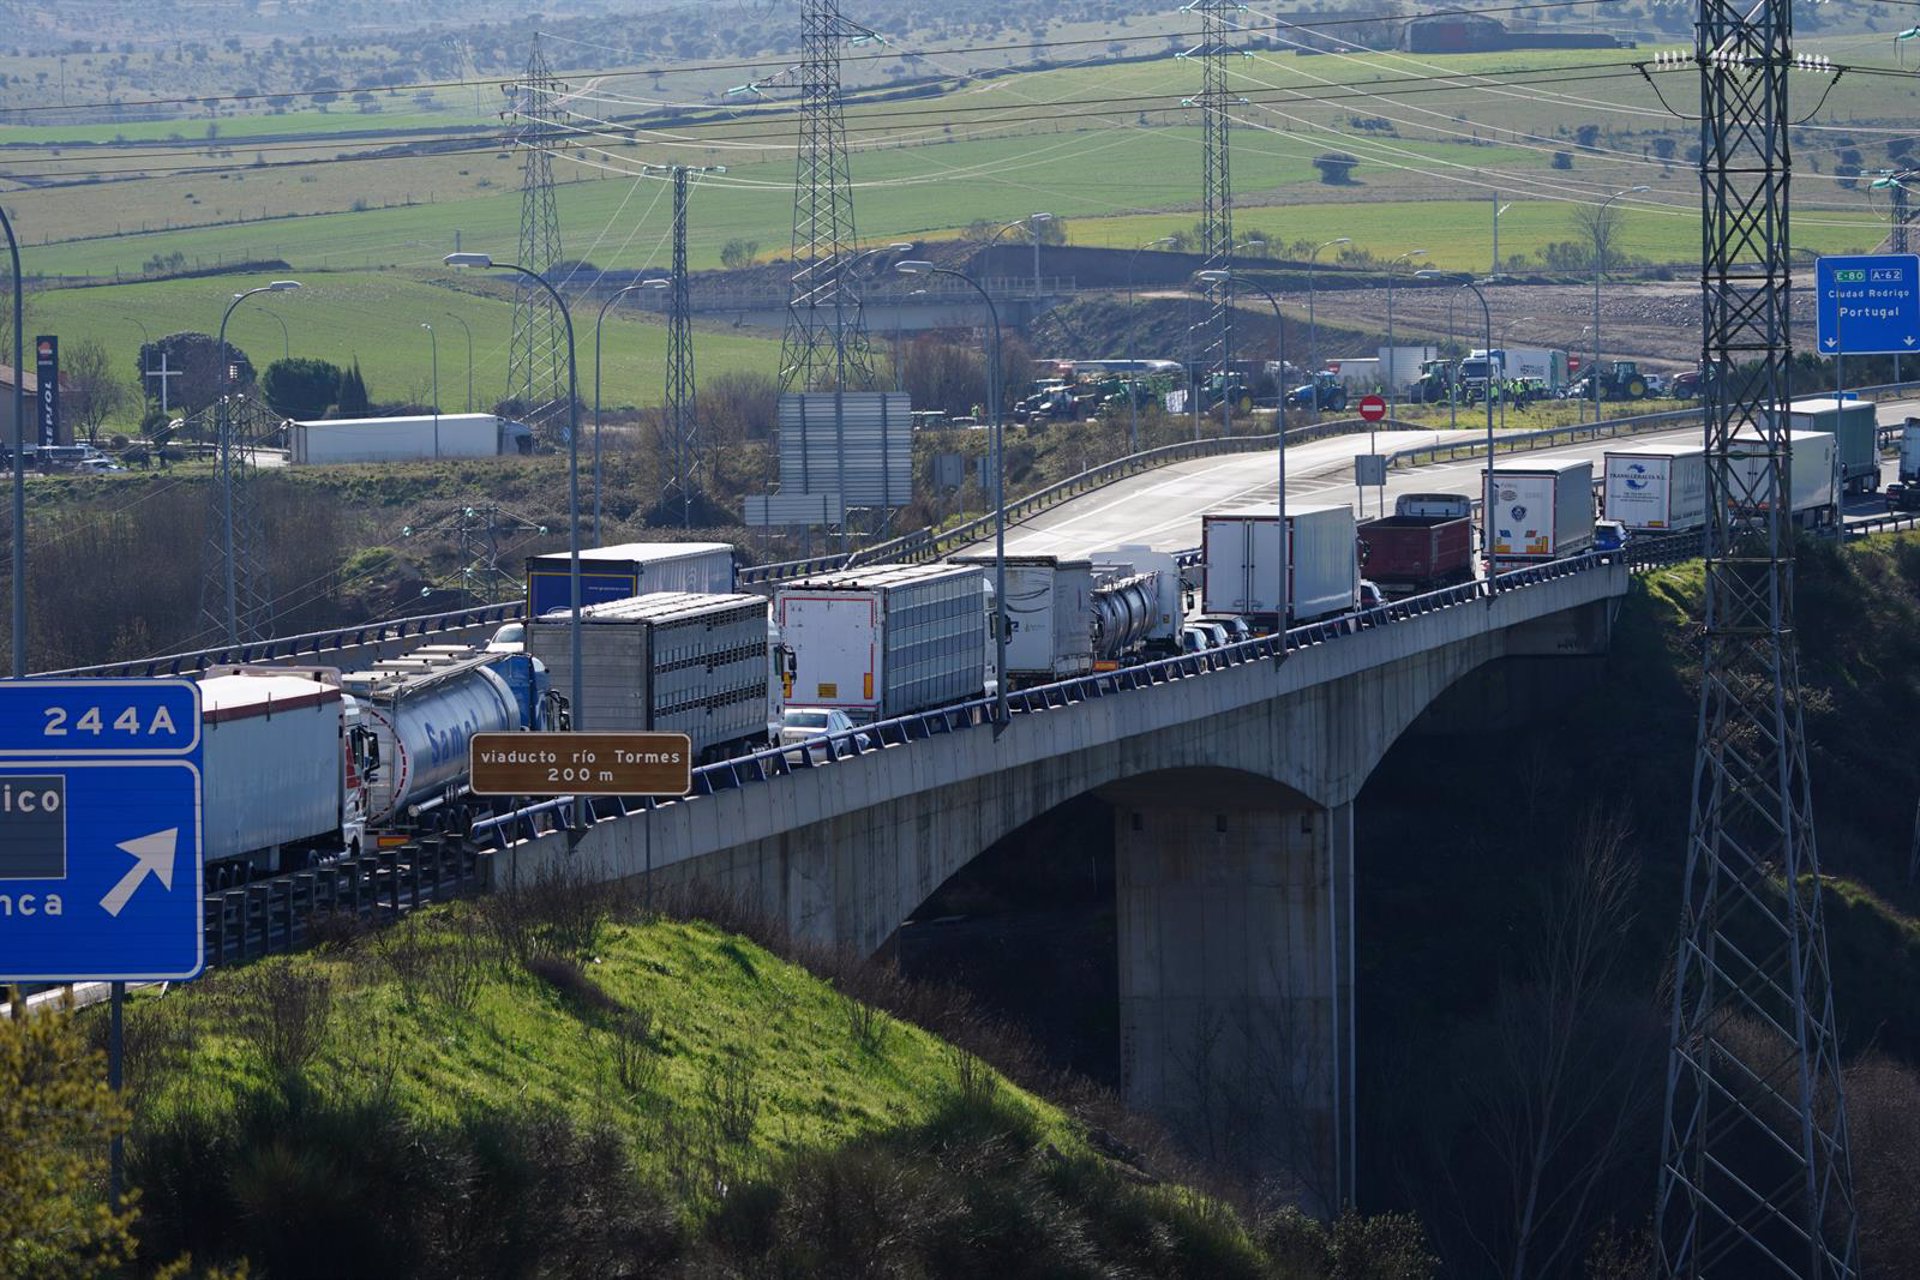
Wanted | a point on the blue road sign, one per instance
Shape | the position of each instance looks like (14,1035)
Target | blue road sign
(100,854)
(1868,304)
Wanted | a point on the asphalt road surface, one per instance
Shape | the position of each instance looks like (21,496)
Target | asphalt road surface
(1162,508)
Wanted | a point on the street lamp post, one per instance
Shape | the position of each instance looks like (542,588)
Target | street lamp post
(469,331)
(1498,209)
(1487,502)
(286,342)
(1279,447)
(434,338)
(1133,389)
(226,450)
(656,283)
(19,458)
(1313,333)
(1599,267)
(482,261)
(916,268)
(1393,384)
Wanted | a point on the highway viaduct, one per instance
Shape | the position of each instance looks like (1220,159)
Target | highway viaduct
(1232,780)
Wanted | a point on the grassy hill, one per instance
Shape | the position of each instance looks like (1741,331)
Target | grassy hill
(558,1084)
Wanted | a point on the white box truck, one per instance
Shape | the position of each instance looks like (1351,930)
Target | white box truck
(1541,512)
(1656,488)
(275,789)
(886,640)
(1904,493)
(410,439)
(1242,549)
(1814,484)
(668,661)
(1855,426)
(1049,612)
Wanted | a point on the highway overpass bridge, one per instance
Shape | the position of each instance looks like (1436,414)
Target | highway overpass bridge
(1232,778)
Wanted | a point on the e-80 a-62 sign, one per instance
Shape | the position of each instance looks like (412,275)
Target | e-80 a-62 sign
(580,764)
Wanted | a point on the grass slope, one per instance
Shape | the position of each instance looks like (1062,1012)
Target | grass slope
(527,1086)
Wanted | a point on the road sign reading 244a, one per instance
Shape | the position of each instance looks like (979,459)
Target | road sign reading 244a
(1869,304)
(100,830)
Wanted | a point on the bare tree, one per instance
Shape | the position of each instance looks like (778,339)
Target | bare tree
(93,393)
(1568,1080)
(1599,227)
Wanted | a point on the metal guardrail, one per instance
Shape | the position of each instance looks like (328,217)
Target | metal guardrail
(281,913)
(775,762)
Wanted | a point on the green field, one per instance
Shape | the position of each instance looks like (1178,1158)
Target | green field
(376,317)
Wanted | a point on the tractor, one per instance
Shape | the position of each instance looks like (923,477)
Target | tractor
(1433,384)
(1325,393)
(1619,380)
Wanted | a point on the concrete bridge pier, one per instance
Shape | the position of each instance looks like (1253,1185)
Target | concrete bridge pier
(1236,979)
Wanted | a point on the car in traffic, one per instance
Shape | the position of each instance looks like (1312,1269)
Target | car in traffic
(511,638)
(1609,539)
(815,729)
(1235,627)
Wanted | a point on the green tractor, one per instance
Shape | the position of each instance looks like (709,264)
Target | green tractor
(1619,380)
(1434,383)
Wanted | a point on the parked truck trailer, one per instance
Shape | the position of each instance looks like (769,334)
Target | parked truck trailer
(1049,613)
(1426,544)
(668,661)
(1656,488)
(1814,481)
(276,787)
(419,437)
(1855,427)
(886,640)
(627,570)
(1242,551)
(1541,512)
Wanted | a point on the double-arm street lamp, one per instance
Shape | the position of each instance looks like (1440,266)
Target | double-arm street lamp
(913,267)
(1279,436)
(657,282)
(485,263)
(226,450)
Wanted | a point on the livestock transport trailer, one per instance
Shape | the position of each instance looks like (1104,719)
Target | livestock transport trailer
(669,661)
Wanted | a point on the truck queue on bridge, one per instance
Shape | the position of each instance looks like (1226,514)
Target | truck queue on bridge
(305,764)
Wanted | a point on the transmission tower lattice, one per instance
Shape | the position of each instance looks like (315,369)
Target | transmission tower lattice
(1215,330)
(1755,1176)
(537,357)
(480,533)
(825,343)
(682,425)
(235,542)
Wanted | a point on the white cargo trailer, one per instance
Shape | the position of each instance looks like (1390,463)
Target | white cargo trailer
(274,785)
(409,439)
(1541,512)
(1814,483)
(886,640)
(1049,611)
(1656,488)
(1242,550)
(668,661)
